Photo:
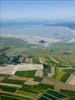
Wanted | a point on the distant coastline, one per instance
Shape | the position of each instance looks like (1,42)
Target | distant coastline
(33,31)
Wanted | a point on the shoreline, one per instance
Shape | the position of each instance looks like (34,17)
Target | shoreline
(30,38)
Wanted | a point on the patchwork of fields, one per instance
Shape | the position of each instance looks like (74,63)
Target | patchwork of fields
(28,79)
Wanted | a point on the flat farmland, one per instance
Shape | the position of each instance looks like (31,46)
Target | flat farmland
(26,79)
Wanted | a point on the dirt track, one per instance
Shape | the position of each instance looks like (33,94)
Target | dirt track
(11,69)
(58,85)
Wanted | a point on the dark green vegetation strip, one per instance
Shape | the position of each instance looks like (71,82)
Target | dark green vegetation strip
(72,98)
(56,94)
(68,93)
(29,74)
(4,97)
(42,98)
(52,95)
(36,88)
(8,96)
(65,77)
(39,79)
(13,81)
(8,88)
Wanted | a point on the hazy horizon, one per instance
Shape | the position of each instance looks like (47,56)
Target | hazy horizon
(37,9)
(33,17)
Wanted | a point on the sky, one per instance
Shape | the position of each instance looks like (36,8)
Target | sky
(37,9)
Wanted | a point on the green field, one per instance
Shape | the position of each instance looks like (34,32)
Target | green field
(28,74)
(59,75)
(39,79)
(69,94)
(25,93)
(52,95)
(13,81)
(65,77)
(8,88)
(36,88)
(8,96)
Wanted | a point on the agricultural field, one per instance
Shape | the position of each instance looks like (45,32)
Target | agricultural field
(36,88)
(26,79)
(8,88)
(35,59)
(12,81)
(8,96)
(52,58)
(61,76)
(70,94)
(15,85)
(28,74)
(53,95)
